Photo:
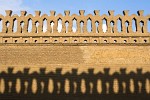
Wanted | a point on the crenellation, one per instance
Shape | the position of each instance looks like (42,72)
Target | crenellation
(67,12)
(23,13)
(140,12)
(8,13)
(126,12)
(37,13)
(81,12)
(111,22)
(97,12)
(52,13)
(111,12)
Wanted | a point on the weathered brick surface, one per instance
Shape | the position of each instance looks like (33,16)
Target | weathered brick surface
(114,61)
(81,57)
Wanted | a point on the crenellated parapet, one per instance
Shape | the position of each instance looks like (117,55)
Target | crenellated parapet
(91,28)
(75,57)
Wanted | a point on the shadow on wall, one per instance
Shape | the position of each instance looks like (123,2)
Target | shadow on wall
(89,86)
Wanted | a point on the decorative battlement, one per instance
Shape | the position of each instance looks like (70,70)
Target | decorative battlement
(33,66)
(74,28)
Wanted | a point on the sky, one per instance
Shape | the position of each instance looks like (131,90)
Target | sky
(75,5)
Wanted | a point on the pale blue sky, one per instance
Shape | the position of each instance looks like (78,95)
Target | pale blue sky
(75,5)
(89,5)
